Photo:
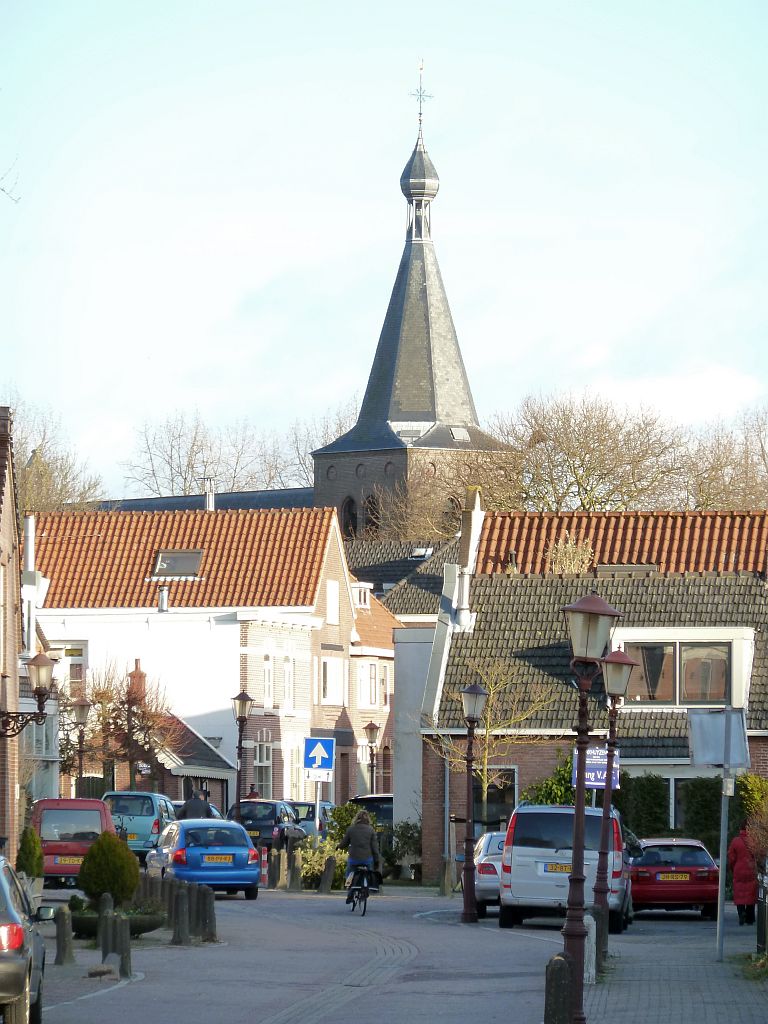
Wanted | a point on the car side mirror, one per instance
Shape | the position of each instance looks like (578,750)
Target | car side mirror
(45,913)
(634,850)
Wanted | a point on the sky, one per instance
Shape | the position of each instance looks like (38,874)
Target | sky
(209,215)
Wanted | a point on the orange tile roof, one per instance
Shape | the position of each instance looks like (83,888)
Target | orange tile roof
(374,625)
(672,541)
(251,558)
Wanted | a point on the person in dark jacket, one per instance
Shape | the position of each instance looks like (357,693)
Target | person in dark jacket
(741,861)
(196,807)
(361,842)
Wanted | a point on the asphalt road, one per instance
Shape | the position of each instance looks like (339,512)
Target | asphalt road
(302,958)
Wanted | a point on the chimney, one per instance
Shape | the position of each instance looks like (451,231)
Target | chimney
(162,598)
(137,683)
(30,581)
(210,494)
(471,523)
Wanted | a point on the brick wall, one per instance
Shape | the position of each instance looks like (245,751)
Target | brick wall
(10,625)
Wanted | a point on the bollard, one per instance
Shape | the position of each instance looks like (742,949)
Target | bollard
(171,887)
(329,872)
(273,870)
(123,945)
(65,953)
(208,914)
(282,875)
(294,872)
(194,908)
(155,888)
(600,916)
(590,944)
(106,905)
(558,989)
(106,934)
(181,918)
(264,865)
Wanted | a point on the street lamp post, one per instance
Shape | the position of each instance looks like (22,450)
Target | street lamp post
(241,708)
(40,669)
(80,710)
(372,734)
(473,699)
(617,668)
(589,622)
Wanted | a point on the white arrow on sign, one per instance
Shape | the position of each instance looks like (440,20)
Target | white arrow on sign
(318,754)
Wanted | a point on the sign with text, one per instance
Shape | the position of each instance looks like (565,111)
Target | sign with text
(597,764)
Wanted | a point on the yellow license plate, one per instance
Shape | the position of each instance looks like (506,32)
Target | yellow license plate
(132,835)
(68,860)
(254,834)
(673,876)
(217,858)
(561,869)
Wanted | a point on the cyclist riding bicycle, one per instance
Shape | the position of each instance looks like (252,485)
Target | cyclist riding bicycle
(360,839)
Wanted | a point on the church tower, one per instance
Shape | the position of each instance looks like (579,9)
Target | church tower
(418,407)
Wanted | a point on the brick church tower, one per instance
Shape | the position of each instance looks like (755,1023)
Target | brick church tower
(417,412)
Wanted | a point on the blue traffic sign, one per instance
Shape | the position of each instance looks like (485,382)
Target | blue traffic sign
(319,752)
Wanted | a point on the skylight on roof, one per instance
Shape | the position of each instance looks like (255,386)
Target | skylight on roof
(177,564)
(460,434)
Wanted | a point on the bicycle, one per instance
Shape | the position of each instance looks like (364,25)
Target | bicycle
(361,887)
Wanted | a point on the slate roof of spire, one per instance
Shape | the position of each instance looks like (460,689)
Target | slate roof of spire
(418,392)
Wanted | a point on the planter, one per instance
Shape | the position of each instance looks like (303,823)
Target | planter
(85,925)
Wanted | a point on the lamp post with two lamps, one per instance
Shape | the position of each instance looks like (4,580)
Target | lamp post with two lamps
(372,734)
(473,699)
(81,708)
(617,668)
(589,622)
(241,708)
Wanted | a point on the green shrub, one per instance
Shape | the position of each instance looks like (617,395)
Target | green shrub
(556,788)
(342,817)
(109,866)
(313,861)
(643,801)
(406,844)
(29,859)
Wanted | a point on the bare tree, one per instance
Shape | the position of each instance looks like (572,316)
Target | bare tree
(507,709)
(570,556)
(306,436)
(49,476)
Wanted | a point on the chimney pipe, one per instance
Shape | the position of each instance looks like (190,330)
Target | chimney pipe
(162,598)
(210,494)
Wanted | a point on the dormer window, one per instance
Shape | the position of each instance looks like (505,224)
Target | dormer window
(176,565)
(361,594)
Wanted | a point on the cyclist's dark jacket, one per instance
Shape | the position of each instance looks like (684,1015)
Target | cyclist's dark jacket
(361,841)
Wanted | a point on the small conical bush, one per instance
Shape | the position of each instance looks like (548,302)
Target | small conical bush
(109,866)
(29,859)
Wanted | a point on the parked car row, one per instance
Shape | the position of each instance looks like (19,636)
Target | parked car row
(525,870)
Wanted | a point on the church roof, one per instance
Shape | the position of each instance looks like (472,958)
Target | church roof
(418,393)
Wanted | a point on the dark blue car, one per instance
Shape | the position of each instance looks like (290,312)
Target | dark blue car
(211,851)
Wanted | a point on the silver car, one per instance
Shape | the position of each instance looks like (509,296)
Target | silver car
(488,850)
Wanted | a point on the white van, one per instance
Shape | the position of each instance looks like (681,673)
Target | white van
(536,864)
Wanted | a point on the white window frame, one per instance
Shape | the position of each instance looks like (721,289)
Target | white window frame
(262,768)
(269,682)
(332,602)
(332,681)
(289,683)
(741,639)
(384,682)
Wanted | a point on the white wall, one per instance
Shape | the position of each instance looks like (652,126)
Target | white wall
(413,649)
(194,657)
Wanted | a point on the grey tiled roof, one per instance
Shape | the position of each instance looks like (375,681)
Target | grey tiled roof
(520,621)
(194,751)
(419,593)
(285,497)
(387,562)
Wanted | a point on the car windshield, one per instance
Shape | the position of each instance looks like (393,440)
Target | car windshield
(250,811)
(70,825)
(675,856)
(554,831)
(136,806)
(215,837)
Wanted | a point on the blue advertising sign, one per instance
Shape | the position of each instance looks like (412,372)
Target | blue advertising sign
(597,765)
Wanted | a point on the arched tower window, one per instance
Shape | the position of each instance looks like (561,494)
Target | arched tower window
(349,517)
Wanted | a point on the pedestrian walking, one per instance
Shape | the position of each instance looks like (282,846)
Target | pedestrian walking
(741,861)
(196,807)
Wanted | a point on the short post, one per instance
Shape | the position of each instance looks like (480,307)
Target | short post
(106,906)
(123,949)
(170,897)
(106,934)
(282,877)
(274,869)
(155,888)
(264,865)
(181,918)
(329,872)
(65,953)
(208,914)
(193,892)
(294,874)
(558,989)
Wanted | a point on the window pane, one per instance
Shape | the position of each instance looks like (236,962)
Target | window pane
(705,672)
(654,677)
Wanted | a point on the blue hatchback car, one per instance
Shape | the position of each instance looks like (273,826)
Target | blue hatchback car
(213,852)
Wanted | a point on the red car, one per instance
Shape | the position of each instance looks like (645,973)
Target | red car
(675,874)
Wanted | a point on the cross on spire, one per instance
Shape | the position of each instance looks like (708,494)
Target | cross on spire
(420,94)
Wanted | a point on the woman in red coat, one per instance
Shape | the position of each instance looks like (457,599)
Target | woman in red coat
(742,863)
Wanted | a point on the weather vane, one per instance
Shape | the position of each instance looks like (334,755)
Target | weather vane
(419,93)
